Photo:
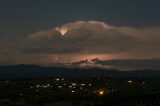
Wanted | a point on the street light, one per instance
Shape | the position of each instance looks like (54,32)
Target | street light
(101,92)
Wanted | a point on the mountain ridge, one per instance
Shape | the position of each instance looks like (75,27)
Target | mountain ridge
(35,71)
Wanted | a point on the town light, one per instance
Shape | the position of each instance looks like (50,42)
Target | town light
(74,84)
(130,81)
(57,79)
(101,92)
(72,91)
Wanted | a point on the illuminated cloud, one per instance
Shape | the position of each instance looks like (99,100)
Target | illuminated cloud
(86,37)
(83,39)
(62,30)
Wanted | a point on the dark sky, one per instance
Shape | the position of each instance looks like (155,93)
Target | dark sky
(22,18)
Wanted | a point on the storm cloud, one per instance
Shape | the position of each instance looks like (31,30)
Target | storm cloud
(88,37)
(71,41)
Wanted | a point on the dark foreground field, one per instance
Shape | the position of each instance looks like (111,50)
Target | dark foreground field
(95,91)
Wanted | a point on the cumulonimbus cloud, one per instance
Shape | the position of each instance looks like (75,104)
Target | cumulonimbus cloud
(90,38)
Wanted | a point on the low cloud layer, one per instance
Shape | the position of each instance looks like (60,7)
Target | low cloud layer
(84,38)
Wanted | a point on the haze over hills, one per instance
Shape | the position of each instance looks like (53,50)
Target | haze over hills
(93,68)
(120,64)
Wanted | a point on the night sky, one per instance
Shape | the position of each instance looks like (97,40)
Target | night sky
(50,31)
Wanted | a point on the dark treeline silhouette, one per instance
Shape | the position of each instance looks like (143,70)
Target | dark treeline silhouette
(35,71)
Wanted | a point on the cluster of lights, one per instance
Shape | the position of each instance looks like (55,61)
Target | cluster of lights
(74,86)
(41,86)
(58,79)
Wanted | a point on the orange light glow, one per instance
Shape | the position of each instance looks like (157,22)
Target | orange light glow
(69,58)
(101,92)
(62,30)
(89,57)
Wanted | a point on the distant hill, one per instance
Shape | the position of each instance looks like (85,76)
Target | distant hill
(35,71)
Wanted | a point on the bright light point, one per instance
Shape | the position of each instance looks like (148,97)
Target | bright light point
(83,84)
(59,86)
(37,86)
(101,92)
(62,30)
(72,91)
(57,79)
(130,81)
(74,84)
